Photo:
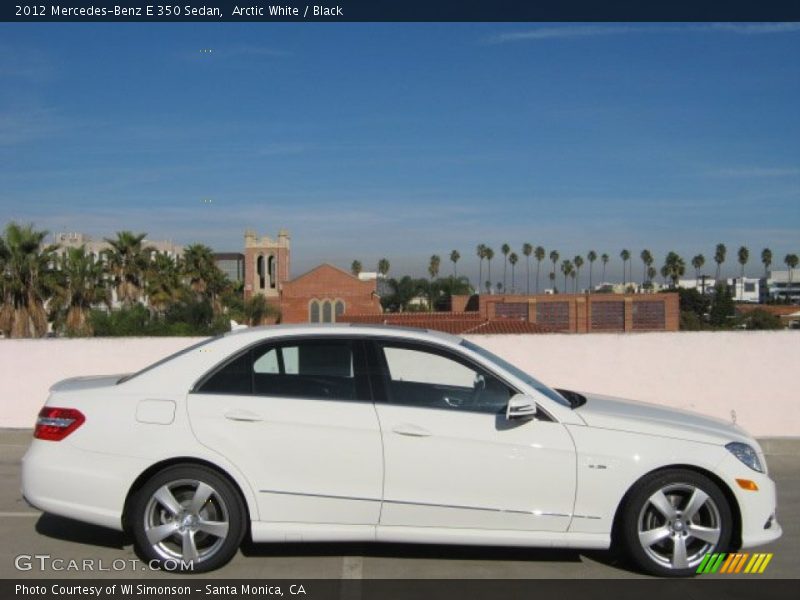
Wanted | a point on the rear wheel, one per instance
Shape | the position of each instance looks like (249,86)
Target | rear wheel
(674,518)
(188,518)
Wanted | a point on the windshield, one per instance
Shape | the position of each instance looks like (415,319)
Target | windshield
(518,373)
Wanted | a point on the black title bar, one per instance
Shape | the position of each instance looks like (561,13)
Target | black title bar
(402,10)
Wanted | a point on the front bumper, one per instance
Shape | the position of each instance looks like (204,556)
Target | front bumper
(758,509)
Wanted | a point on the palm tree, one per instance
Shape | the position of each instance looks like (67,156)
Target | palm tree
(719,258)
(651,274)
(433,266)
(258,311)
(647,260)
(26,281)
(527,250)
(592,256)
(539,253)
(766,259)
(566,269)
(791,261)
(127,260)
(480,250)
(505,249)
(80,284)
(675,267)
(489,257)
(578,264)
(454,257)
(743,256)
(625,255)
(383,267)
(356,268)
(697,262)
(552,276)
(554,259)
(204,277)
(197,266)
(604,259)
(433,271)
(513,258)
(165,279)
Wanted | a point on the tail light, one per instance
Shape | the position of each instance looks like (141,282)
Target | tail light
(55,423)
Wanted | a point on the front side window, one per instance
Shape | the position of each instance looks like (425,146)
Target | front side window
(318,369)
(429,378)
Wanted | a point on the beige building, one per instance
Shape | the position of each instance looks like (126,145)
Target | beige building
(96,247)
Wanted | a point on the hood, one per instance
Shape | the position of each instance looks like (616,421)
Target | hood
(86,383)
(628,415)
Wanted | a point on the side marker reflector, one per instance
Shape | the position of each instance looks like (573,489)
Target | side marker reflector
(747,484)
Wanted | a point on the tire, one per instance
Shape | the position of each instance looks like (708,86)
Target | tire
(188,518)
(672,519)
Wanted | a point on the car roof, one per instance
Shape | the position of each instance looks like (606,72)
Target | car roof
(369,330)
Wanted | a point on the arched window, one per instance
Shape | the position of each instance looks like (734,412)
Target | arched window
(271,271)
(313,311)
(327,317)
(338,310)
(260,273)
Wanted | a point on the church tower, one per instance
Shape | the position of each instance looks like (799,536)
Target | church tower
(266,264)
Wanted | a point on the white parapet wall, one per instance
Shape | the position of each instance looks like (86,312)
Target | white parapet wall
(752,375)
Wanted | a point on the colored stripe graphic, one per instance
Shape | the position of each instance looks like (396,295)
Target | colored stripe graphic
(726,566)
(741,562)
(765,563)
(734,563)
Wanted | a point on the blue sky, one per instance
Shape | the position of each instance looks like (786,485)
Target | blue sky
(404,140)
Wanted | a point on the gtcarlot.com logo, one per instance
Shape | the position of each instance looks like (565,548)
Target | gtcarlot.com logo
(733,563)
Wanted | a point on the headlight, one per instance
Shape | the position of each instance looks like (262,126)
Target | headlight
(746,454)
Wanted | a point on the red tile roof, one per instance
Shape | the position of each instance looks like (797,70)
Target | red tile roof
(454,323)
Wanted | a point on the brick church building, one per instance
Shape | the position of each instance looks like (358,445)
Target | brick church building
(322,295)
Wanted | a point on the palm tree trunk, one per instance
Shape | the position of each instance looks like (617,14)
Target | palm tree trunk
(528,269)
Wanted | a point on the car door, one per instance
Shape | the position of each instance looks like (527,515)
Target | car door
(453,460)
(297,418)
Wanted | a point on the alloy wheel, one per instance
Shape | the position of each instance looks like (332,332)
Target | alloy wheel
(186,519)
(678,525)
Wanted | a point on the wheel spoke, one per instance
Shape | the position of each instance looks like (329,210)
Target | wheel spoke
(707,534)
(663,505)
(167,500)
(159,532)
(201,496)
(216,528)
(679,560)
(653,536)
(695,503)
(189,547)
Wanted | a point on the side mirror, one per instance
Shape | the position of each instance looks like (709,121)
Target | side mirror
(521,406)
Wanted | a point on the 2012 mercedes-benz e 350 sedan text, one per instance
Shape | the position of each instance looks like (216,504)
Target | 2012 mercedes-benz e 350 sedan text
(359,433)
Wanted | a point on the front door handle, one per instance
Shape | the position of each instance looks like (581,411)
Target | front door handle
(411,430)
(242,415)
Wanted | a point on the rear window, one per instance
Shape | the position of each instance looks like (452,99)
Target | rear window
(291,369)
(168,358)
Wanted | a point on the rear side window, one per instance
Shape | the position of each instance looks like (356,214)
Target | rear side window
(319,369)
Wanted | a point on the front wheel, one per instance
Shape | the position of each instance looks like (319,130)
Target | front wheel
(188,518)
(674,518)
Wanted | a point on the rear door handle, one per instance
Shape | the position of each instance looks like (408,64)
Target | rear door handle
(242,415)
(411,430)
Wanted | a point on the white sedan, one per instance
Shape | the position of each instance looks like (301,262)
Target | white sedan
(364,433)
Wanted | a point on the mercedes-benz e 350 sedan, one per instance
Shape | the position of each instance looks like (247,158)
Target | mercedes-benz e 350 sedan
(358,433)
